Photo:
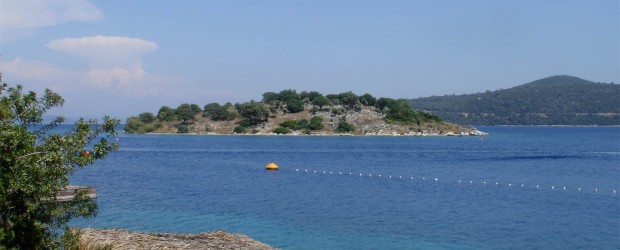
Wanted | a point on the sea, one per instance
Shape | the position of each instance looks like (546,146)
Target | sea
(519,187)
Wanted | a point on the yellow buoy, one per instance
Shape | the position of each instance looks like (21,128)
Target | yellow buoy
(271,166)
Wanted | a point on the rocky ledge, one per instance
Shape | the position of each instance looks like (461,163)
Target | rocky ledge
(122,239)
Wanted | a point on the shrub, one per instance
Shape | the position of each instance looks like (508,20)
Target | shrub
(239,129)
(183,129)
(295,124)
(345,127)
(314,109)
(133,125)
(281,130)
(316,123)
(245,123)
(357,107)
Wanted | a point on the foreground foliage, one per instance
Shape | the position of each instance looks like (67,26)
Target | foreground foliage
(35,163)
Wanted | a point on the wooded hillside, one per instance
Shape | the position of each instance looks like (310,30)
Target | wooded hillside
(556,100)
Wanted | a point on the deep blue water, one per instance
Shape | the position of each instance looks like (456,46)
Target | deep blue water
(466,192)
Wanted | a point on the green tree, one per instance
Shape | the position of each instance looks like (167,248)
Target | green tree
(185,112)
(321,101)
(35,164)
(210,108)
(195,108)
(313,94)
(333,99)
(348,99)
(294,105)
(270,97)
(286,95)
(146,117)
(166,114)
(368,100)
(383,102)
(254,112)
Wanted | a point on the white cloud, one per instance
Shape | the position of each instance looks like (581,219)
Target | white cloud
(117,45)
(105,49)
(40,73)
(20,18)
(133,81)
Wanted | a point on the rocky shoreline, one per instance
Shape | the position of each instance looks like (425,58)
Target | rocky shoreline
(297,133)
(91,239)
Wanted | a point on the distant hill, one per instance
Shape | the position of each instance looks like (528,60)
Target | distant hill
(556,100)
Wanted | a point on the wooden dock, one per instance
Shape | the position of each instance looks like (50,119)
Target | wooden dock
(68,192)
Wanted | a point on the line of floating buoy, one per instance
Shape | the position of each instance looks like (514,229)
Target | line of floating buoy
(436,179)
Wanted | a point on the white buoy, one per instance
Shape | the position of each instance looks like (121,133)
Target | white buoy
(360,174)
(400,177)
(423,178)
(536,186)
(349,173)
(340,173)
(436,179)
(484,182)
(521,185)
(596,190)
(390,177)
(614,191)
(564,188)
(411,177)
(315,171)
(459,181)
(510,184)
(297,170)
(306,170)
(552,187)
(379,175)
(330,172)
(579,189)
(323,171)
(496,183)
(471,182)
(370,175)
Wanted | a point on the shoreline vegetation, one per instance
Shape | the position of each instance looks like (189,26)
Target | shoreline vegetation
(305,113)
(91,239)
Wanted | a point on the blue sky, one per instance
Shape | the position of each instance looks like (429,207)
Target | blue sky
(125,57)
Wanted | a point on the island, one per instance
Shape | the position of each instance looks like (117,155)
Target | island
(306,113)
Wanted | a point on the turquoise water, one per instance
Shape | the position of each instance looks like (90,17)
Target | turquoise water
(519,188)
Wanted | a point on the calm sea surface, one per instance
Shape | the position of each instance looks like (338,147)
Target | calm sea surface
(518,188)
